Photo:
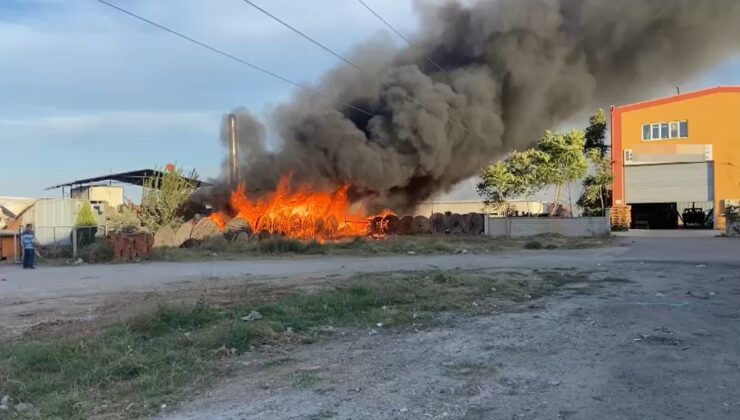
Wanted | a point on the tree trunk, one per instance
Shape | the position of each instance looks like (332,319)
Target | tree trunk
(555,200)
(601,198)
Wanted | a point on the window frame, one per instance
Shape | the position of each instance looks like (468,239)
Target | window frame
(649,132)
(680,134)
(659,127)
(665,135)
(678,129)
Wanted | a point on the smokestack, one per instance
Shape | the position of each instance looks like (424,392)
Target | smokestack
(233,155)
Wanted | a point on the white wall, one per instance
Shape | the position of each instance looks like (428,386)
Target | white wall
(477,206)
(519,227)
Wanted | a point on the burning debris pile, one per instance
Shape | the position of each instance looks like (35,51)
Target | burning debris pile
(299,214)
(480,80)
(304,214)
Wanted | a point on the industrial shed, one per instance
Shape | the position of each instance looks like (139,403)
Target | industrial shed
(677,159)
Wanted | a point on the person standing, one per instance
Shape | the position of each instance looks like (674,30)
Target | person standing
(28,239)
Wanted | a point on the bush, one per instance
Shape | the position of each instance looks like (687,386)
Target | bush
(125,221)
(86,225)
(98,251)
(533,245)
(279,245)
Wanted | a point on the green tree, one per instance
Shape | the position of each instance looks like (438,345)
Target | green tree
(597,187)
(596,133)
(165,193)
(86,218)
(517,175)
(596,194)
(565,161)
(86,225)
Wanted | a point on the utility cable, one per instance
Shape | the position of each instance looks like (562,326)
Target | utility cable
(355,66)
(408,41)
(231,56)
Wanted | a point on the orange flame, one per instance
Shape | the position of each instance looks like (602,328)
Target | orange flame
(220,219)
(300,214)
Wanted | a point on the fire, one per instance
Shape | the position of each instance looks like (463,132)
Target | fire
(299,214)
(220,219)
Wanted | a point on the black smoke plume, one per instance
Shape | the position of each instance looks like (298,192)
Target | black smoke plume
(514,68)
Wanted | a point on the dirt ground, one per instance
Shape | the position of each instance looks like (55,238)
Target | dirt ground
(652,333)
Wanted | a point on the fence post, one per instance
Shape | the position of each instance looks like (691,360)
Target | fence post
(74,243)
(15,248)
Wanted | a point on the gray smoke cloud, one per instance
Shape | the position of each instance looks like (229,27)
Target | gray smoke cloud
(514,68)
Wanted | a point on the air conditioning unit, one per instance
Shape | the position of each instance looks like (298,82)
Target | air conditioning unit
(628,156)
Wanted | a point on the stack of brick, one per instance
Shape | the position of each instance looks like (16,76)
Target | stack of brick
(621,216)
(130,247)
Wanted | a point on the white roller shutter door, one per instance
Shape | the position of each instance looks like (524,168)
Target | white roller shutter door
(669,183)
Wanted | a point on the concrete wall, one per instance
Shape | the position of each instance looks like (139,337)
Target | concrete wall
(477,206)
(521,227)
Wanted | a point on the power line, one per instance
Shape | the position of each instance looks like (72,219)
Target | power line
(230,56)
(349,62)
(408,41)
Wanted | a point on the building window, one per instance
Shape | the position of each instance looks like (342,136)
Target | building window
(674,130)
(646,131)
(664,131)
(684,129)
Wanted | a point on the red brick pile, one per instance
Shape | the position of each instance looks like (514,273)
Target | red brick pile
(130,247)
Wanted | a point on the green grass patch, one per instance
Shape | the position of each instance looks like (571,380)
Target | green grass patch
(131,368)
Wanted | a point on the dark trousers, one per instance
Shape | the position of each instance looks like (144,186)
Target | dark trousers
(29,255)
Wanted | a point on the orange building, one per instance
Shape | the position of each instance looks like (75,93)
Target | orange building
(677,159)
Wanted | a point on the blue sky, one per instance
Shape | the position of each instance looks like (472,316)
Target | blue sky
(85,90)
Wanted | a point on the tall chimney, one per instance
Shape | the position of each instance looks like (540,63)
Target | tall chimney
(233,157)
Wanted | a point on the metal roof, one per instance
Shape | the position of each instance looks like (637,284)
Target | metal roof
(133,178)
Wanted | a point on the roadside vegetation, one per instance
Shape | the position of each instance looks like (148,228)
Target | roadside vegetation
(397,245)
(558,160)
(140,366)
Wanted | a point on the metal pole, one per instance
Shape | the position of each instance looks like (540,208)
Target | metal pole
(233,152)
(15,248)
(74,243)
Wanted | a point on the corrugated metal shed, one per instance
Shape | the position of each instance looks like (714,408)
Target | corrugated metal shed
(54,219)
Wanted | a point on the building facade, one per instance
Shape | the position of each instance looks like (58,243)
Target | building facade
(112,196)
(677,159)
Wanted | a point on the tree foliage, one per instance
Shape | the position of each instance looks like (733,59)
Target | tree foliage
(518,175)
(597,186)
(566,162)
(86,218)
(86,225)
(596,194)
(557,160)
(125,220)
(165,193)
(596,132)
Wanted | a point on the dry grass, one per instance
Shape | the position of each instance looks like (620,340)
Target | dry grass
(422,245)
(131,368)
